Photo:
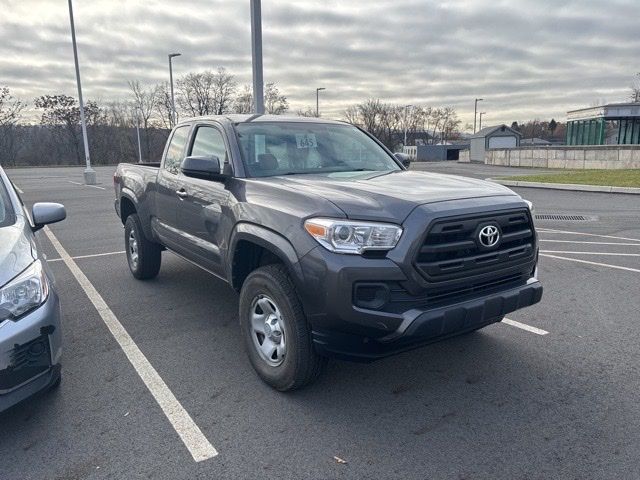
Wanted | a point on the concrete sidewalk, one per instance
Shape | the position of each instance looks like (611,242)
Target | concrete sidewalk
(568,186)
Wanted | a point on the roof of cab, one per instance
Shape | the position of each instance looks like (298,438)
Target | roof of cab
(251,118)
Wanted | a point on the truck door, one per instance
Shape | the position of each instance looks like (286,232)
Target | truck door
(168,184)
(201,208)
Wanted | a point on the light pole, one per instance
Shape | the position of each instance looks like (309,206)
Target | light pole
(481,113)
(406,108)
(256,56)
(138,133)
(89,173)
(318,101)
(173,101)
(475,112)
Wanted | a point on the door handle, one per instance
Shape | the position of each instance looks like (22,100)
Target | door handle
(182,193)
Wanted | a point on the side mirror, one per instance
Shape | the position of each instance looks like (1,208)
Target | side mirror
(404,158)
(45,213)
(205,167)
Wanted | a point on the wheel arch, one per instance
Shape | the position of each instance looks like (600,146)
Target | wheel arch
(252,246)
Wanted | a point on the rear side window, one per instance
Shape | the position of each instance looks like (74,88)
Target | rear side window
(209,141)
(175,151)
(7,217)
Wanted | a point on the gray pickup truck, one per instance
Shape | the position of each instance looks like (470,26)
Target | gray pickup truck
(336,249)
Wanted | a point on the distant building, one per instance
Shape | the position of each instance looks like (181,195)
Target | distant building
(435,153)
(499,136)
(612,124)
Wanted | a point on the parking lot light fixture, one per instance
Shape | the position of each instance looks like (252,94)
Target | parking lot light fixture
(256,57)
(318,100)
(475,112)
(89,173)
(138,134)
(173,101)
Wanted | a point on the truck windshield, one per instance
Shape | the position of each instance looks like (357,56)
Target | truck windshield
(287,148)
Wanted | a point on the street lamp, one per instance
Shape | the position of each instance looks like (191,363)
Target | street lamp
(173,101)
(406,108)
(138,133)
(475,112)
(89,173)
(481,113)
(318,101)
(256,56)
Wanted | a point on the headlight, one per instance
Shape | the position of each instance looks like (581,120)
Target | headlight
(531,207)
(27,291)
(345,236)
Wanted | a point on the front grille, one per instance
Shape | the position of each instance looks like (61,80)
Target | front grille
(451,249)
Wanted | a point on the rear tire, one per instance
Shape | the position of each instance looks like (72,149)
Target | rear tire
(144,256)
(275,329)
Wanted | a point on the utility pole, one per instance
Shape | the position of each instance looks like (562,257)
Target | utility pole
(318,100)
(475,112)
(173,101)
(89,173)
(256,57)
(406,107)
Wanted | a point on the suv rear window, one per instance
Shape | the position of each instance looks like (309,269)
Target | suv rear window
(7,216)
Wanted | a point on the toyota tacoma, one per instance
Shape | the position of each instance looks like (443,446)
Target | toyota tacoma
(335,247)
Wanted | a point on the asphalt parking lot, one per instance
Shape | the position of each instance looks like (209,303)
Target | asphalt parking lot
(552,395)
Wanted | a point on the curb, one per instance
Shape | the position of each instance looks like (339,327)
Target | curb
(567,186)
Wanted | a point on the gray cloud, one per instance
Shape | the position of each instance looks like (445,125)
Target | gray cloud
(532,58)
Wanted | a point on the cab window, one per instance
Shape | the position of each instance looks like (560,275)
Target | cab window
(209,142)
(175,151)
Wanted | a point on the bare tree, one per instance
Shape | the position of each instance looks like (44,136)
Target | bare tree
(275,102)
(144,102)
(244,101)
(224,89)
(635,88)
(163,106)
(308,112)
(10,111)
(62,112)
(206,93)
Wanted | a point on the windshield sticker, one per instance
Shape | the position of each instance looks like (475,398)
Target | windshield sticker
(306,140)
(260,144)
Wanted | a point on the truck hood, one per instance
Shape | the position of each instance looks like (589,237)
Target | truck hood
(391,196)
(16,253)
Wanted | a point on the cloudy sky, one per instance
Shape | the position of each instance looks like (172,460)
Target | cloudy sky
(527,59)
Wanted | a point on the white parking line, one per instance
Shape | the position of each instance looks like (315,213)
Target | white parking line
(549,230)
(591,243)
(617,267)
(87,256)
(593,253)
(183,424)
(524,326)
(18,189)
(83,185)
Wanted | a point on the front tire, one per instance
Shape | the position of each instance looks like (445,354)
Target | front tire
(144,256)
(276,332)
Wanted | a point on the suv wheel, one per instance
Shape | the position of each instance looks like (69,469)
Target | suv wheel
(275,330)
(143,256)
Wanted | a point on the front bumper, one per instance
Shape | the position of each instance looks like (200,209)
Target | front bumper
(420,327)
(30,351)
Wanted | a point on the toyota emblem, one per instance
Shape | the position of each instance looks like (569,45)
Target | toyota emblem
(489,236)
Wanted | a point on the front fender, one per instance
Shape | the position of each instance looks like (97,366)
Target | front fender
(269,240)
